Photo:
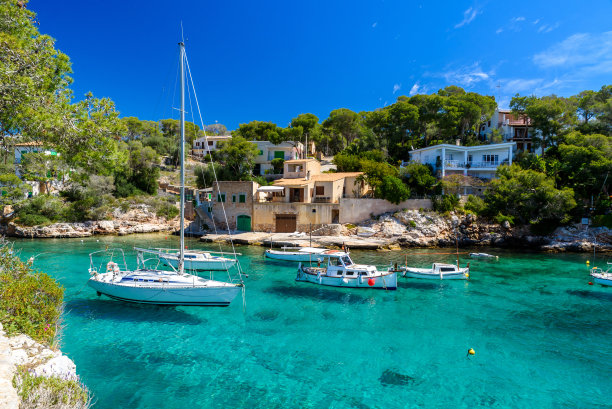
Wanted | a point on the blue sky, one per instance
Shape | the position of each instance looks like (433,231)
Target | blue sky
(272,60)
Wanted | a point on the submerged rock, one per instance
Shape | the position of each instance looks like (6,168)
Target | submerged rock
(390,377)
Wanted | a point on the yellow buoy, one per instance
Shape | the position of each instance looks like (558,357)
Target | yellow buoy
(588,262)
(467,275)
(471,351)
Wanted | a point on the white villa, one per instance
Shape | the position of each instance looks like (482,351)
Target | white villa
(205,145)
(513,128)
(268,151)
(476,161)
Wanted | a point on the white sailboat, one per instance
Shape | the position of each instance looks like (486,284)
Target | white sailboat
(155,286)
(195,260)
(338,270)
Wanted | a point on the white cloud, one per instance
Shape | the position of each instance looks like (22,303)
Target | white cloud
(520,85)
(467,76)
(591,52)
(536,21)
(375,24)
(499,30)
(468,16)
(414,90)
(547,28)
(517,19)
(397,87)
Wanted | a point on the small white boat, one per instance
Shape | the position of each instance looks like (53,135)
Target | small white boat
(338,270)
(365,231)
(602,277)
(196,260)
(483,255)
(302,254)
(438,271)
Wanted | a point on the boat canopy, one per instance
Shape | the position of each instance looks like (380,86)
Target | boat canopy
(271,189)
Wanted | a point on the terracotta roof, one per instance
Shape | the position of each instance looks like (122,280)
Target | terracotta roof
(332,177)
(293,182)
(301,160)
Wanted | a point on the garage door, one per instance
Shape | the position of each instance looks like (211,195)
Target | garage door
(286,223)
(244,223)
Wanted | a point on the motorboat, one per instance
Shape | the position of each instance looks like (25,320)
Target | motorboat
(602,277)
(484,256)
(335,268)
(303,254)
(438,271)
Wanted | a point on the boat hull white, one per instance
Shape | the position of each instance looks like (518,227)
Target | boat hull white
(428,274)
(203,265)
(386,281)
(292,256)
(203,293)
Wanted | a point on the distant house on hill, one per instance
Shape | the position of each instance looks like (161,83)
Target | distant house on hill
(205,145)
(269,151)
(513,128)
(477,161)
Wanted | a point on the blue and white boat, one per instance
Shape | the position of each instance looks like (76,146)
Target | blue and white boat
(335,268)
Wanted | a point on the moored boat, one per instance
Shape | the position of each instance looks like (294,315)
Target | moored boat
(602,277)
(196,260)
(438,271)
(336,269)
(302,254)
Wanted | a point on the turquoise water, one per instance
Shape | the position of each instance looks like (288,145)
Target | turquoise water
(542,336)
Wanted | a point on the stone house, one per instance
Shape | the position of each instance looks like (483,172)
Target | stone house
(269,151)
(205,145)
(237,198)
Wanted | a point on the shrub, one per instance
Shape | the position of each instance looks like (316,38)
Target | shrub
(393,190)
(33,220)
(49,207)
(475,204)
(501,218)
(50,393)
(30,302)
(444,203)
(412,223)
(603,220)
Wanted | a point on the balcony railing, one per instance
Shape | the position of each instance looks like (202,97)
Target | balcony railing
(321,199)
(455,164)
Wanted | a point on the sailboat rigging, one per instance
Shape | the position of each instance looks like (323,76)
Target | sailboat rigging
(156,286)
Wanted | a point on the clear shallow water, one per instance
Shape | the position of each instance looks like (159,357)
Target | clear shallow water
(543,337)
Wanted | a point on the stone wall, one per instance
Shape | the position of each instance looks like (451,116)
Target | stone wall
(358,210)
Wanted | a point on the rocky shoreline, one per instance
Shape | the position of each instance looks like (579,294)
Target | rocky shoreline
(138,219)
(39,361)
(411,228)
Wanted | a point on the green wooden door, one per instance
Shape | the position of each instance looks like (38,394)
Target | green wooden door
(244,223)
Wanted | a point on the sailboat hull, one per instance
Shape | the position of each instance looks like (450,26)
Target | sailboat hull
(212,293)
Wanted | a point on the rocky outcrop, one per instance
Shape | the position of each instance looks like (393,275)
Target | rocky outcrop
(40,361)
(138,219)
(412,228)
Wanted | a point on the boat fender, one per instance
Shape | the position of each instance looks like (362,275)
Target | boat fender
(470,352)
(590,283)
(371,282)
(345,280)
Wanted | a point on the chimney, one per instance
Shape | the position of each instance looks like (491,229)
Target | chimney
(308,175)
(458,142)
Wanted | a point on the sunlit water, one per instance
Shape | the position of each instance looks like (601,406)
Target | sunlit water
(542,336)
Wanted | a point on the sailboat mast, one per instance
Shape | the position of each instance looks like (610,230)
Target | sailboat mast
(182,213)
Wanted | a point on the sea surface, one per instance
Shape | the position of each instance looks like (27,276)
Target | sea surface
(542,336)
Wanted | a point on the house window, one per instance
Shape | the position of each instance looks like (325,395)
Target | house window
(197,143)
(469,158)
(489,124)
(260,152)
(242,198)
(492,159)
(210,143)
(320,190)
(233,198)
(221,197)
(279,155)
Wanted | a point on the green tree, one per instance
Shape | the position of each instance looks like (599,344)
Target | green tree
(13,189)
(528,196)
(419,178)
(393,190)
(238,155)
